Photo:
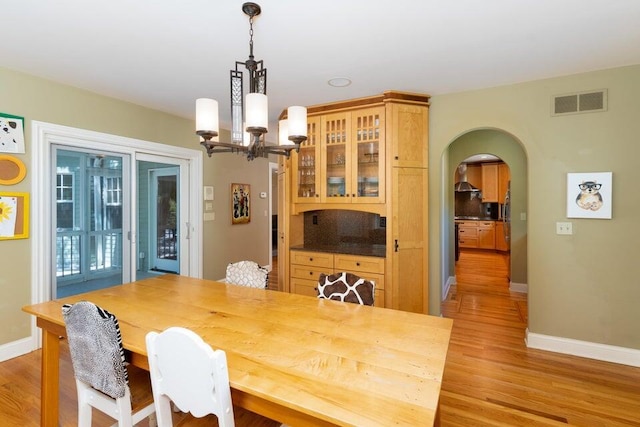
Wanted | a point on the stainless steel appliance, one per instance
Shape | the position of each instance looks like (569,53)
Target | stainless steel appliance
(506,214)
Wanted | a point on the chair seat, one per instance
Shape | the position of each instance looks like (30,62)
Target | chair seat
(247,273)
(346,287)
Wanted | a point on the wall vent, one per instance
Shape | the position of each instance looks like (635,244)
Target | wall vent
(579,102)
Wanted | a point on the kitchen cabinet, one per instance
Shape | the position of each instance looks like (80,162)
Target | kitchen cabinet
(476,234)
(474,175)
(343,160)
(467,234)
(306,267)
(486,235)
(366,154)
(489,182)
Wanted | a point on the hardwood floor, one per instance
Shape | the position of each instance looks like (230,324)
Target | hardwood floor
(492,379)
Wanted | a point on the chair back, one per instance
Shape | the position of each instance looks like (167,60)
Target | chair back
(186,370)
(96,348)
(346,287)
(247,273)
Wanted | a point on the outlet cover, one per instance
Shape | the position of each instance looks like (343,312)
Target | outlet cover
(564,228)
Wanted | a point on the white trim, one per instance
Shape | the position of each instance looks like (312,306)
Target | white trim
(17,348)
(447,286)
(591,350)
(44,135)
(519,287)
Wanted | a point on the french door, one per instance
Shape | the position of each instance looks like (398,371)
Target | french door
(91,199)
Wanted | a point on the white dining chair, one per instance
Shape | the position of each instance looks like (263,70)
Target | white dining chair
(188,372)
(99,367)
(247,273)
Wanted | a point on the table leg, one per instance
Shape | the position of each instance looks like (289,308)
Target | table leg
(50,379)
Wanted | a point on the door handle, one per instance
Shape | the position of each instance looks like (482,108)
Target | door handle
(395,246)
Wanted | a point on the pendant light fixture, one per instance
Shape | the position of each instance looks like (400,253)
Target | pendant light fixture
(249,115)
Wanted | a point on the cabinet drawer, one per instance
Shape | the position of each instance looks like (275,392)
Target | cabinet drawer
(468,242)
(468,232)
(315,259)
(487,224)
(308,272)
(304,287)
(356,263)
(377,278)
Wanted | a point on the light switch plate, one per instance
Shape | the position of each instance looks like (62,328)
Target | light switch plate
(208,193)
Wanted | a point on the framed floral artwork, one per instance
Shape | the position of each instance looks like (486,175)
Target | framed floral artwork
(240,203)
(589,195)
(14,216)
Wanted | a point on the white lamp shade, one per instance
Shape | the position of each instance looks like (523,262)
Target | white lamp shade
(297,117)
(246,137)
(283,133)
(206,115)
(257,113)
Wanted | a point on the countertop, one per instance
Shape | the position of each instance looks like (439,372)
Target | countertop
(474,218)
(345,248)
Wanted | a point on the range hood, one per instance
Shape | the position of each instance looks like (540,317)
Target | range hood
(463,185)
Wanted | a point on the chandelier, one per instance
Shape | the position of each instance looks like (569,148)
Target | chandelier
(250,113)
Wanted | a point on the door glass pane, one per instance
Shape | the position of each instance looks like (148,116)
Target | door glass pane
(166,204)
(158,218)
(89,211)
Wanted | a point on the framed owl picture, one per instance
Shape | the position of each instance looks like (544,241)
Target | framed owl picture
(589,195)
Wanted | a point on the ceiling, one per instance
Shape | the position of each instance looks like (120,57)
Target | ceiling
(164,54)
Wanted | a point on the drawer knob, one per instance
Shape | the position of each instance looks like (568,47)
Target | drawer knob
(358,264)
(311,273)
(310,259)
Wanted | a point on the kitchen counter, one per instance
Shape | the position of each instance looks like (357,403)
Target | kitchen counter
(346,248)
(474,218)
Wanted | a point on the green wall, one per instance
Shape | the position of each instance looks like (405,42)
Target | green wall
(583,286)
(42,100)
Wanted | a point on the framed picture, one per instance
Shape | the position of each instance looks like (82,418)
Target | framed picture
(589,195)
(240,203)
(12,170)
(11,133)
(14,216)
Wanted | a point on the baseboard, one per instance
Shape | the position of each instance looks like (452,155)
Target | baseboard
(16,348)
(450,282)
(519,287)
(604,352)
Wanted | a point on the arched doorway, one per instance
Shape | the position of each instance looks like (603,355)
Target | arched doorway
(509,149)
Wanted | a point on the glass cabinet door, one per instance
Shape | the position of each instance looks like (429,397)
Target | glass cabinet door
(368,153)
(306,165)
(336,165)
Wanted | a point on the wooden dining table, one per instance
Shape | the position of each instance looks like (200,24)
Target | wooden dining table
(296,359)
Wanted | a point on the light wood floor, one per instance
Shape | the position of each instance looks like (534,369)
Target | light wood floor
(492,379)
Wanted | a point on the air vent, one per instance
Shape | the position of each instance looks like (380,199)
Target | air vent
(580,102)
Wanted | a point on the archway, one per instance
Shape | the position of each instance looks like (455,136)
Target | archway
(508,148)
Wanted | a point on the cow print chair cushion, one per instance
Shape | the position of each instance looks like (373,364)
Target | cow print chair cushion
(346,287)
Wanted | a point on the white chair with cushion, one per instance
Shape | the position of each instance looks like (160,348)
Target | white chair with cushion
(346,287)
(247,273)
(98,360)
(188,372)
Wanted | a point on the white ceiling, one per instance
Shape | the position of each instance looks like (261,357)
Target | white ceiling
(164,54)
